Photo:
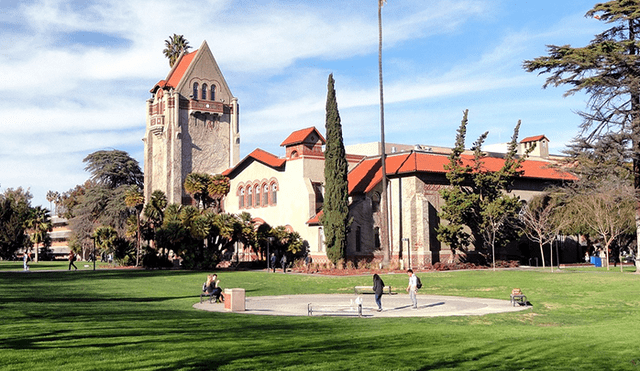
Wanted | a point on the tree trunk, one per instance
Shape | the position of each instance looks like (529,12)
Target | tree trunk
(542,254)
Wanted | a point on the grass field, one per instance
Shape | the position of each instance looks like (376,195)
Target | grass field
(134,319)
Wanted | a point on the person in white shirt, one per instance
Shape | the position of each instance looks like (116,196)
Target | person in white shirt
(412,288)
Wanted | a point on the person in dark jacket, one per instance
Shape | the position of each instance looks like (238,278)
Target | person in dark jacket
(378,286)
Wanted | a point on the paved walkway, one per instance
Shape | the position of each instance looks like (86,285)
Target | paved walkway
(396,305)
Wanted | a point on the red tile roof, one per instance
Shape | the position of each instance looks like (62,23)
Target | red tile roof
(366,175)
(177,72)
(299,136)
(533,139)
(183,63)
(261,156)
(316,219)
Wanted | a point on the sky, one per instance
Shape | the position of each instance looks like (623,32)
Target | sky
(76,74)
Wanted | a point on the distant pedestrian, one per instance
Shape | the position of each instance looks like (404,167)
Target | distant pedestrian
(283,262)
(25,261)
(273,262)
(378,286)
(412,288)
(307,262)
(72,259)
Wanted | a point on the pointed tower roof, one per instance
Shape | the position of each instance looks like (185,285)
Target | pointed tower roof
(184,67)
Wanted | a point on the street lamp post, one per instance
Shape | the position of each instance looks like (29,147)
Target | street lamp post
(93,255)
(269,241)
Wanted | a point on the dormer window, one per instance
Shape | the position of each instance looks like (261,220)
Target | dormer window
(204,91)
(195,90)
(213,92)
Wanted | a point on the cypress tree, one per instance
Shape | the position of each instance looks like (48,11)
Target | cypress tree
(336,208)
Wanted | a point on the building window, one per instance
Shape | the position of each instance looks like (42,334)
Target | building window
(375,202)
(204,91)
(358,239)
(195,90)
(274,193)
(317,189)
(249,196)
(265,195)
(213,92)
(376,237)
(241,199)
(257,196)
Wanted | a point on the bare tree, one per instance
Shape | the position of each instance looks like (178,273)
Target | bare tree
(542,222)
(609,211)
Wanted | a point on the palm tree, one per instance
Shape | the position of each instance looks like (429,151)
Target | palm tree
(196,184)
(52,197)
(39,222)
(105,238)
(174,46)
(218,188)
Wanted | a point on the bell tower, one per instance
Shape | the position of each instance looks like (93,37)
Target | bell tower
(192,125)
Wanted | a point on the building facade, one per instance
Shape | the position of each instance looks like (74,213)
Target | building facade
(285,191)
(192,125)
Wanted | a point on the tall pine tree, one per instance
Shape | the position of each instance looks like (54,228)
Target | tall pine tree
(336,192)
(608,71)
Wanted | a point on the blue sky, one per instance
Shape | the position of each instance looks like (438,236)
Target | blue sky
(76,74)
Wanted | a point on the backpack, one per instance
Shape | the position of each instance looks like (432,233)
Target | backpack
(418,283)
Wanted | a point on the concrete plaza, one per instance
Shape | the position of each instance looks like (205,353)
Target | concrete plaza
(394,305)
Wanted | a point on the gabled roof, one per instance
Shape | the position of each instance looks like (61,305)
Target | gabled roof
(180,68)
(261,156)
(368,173)
(300,136)
(176,73)
(534,139)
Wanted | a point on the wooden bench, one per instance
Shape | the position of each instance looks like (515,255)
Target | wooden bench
(335,310)
(518,298)
(369,289)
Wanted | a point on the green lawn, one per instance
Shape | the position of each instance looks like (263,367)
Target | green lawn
(133,319)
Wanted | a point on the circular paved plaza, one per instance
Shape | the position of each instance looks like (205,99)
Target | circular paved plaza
(395,305)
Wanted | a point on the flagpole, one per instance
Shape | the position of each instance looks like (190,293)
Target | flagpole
(385,204)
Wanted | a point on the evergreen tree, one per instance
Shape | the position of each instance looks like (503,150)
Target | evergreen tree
(15,207)
(478,206)
(336,196)
(608,71)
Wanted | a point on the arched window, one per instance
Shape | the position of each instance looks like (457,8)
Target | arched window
(195,90)
(258,196)
(265,195)
(213,92)
(241,198)
(204,91)
(249,196)
(274,193)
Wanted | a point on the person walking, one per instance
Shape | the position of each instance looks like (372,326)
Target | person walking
(72,259)
(378,286)
(283,262)
(25,260)
(273,262)
(412,288)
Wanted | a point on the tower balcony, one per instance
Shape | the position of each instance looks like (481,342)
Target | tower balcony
(198,106)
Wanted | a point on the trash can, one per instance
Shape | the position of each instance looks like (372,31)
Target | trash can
(234,300)
(597,261)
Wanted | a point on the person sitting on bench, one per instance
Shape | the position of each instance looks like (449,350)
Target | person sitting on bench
(211,288)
